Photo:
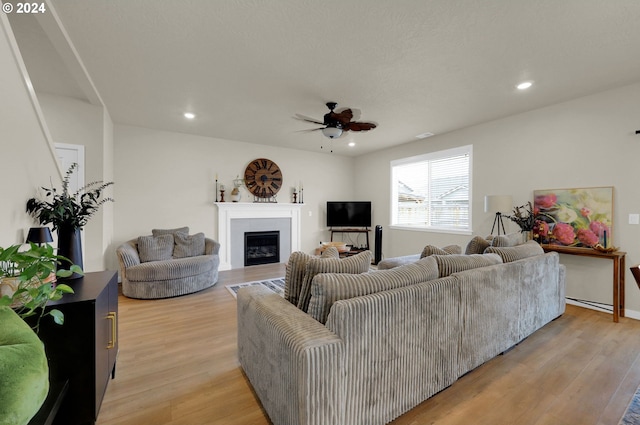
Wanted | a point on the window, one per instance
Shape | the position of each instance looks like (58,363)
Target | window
(432,191)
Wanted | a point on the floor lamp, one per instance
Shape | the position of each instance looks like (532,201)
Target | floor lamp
(498,204)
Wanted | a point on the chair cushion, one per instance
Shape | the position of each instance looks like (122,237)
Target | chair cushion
(327,288)
(445,250)
(296,267)
(358,263)
(158,232)
(155,248)
(449,264)
(514,253)
(24,373)
(188,245)
(170,269)
(477,245)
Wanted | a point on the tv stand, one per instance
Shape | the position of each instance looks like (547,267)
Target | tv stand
(365,230)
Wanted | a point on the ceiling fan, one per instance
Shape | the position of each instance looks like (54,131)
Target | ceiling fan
(336,122)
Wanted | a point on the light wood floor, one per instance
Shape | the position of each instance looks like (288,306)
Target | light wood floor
(178,365)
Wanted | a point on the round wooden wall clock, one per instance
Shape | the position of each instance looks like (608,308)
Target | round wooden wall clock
(263,178)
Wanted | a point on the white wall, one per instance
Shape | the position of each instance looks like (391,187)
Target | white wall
(79,122)
(587,142)
(166,180)
(27,160)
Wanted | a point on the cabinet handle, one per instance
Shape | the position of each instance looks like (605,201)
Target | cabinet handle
(114,326)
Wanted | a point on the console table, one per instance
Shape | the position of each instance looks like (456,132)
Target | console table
(618,258)
(365,231)
(83,350)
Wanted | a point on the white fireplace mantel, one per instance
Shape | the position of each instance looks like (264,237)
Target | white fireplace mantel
(228,211)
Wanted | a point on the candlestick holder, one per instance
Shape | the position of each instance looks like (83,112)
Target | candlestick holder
(221,195)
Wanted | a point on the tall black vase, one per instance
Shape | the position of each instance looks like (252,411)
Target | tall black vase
(70,246)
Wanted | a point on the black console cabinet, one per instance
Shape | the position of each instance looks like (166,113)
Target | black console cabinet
(83,350)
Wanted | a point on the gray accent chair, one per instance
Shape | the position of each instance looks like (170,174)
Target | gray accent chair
(167,278)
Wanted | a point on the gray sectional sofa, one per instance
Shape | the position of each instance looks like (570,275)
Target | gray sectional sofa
(372,346)
(168,263)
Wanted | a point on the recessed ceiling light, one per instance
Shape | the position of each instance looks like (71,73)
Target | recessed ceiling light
(524,85)
(189,115)
(352,144)
(424,135)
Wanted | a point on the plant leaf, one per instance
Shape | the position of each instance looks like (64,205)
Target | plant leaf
(57,315)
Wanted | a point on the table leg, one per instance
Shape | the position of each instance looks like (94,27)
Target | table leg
(623,270)
(616,289)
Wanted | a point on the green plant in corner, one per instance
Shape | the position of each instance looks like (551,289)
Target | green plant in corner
(27,281)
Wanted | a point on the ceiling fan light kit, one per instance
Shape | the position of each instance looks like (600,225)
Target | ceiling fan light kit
(332,132)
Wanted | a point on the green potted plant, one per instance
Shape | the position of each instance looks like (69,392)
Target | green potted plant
(27,280)
(69,212)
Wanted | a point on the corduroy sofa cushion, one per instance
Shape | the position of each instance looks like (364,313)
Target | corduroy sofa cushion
(155,248)
(24,373)
(503,241)
(188,245)
(296,267)
(158,232)
(445,250)
(514,253)
(477,245)
(327,288)
(358,263)
(449,264)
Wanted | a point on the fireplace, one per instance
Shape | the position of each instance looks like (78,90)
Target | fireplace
(261,248)
(236,218)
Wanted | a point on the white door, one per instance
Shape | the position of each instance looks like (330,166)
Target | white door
(67,155)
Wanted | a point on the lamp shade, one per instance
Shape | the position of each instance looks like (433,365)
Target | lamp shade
(498,203)
(39,235)
(332,132)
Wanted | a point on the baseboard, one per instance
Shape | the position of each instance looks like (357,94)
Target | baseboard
(605,308)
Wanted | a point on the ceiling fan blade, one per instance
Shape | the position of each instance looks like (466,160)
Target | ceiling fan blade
(359,126)
(310,130)
(343,117)
(307,119)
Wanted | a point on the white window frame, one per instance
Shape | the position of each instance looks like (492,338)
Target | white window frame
(462,150)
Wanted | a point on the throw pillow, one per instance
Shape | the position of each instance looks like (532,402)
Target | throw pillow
(514,253)
(477,245)
(296,267)
(358,263)
(512,239)
(155,248)
(445,250)
(158,232)
(327,288)
(449,264)
(188,245)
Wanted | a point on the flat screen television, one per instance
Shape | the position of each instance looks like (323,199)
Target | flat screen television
(349,214)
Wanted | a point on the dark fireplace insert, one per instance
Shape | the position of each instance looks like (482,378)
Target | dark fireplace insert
(261,248)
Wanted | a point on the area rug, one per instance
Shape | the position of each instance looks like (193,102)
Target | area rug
(632,415)
(276,285)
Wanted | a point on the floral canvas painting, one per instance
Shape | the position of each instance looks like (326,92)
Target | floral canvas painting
(574,217)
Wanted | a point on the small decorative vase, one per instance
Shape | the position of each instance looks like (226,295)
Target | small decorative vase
(70,246)
(527,235)
(235,195)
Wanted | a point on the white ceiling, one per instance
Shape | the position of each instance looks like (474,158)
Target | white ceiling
(245,67)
